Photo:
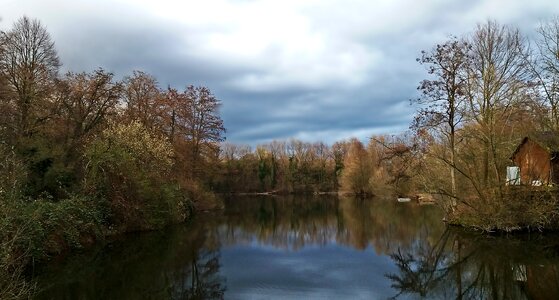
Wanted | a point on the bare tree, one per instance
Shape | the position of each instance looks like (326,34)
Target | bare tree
(29,64)
(497,79)
(443,96)
(205,125)
(546,68)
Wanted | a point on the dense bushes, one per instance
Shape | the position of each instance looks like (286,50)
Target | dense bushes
(131,169)
(41,228)
(12,259)
(128,184)
(34,230)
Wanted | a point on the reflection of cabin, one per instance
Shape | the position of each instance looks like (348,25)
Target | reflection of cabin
(542,282)
(537,157)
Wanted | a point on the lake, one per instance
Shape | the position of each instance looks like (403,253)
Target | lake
(323,247)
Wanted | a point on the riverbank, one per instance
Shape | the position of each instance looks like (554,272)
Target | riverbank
(515,209)
(33,232)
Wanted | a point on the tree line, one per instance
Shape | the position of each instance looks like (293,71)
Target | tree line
(384,166)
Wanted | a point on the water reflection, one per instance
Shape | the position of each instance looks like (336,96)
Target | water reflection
(181,263)
(293,222)
(317,247)
(464,265)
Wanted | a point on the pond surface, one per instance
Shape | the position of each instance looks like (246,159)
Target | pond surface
(310,248)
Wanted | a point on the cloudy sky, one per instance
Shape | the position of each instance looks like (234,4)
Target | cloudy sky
(309,69)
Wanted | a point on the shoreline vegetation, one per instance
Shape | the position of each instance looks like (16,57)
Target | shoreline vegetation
(84,155)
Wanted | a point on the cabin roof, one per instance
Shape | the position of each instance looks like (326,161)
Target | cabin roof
(548,140)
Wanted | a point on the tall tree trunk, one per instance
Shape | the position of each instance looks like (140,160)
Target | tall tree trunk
(485,165)
(452,170)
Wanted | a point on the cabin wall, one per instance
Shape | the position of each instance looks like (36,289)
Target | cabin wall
(534,163)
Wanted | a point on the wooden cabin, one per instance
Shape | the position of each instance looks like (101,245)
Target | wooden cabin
(537,157)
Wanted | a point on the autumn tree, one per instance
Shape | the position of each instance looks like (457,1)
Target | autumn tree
(321,165)
(28,69)
(237,168)
(173,101)
(143,100)
(29,65)
(277,156)
(394,162)
(83,102)
(443,97)
(300,156)
(87,101)
(6,107)
(204,125)
(265,168)
(196,119)
(357,170)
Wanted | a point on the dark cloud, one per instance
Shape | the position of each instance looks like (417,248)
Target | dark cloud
(324,70)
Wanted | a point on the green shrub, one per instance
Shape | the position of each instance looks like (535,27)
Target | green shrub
(35,230)
(54,227)
(12,174)
(131,168)
(12,259)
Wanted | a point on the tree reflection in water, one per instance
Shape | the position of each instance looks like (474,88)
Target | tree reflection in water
(429,260)
(468,266)
(421,269)
(181,263)
(204,282)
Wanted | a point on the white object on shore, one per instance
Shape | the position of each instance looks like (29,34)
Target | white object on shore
(404,199)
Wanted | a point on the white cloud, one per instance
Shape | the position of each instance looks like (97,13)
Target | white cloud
(339,60)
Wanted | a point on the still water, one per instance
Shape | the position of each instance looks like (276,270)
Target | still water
(310,248)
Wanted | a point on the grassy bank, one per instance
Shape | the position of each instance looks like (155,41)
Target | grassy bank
(518,209)
(33,231)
